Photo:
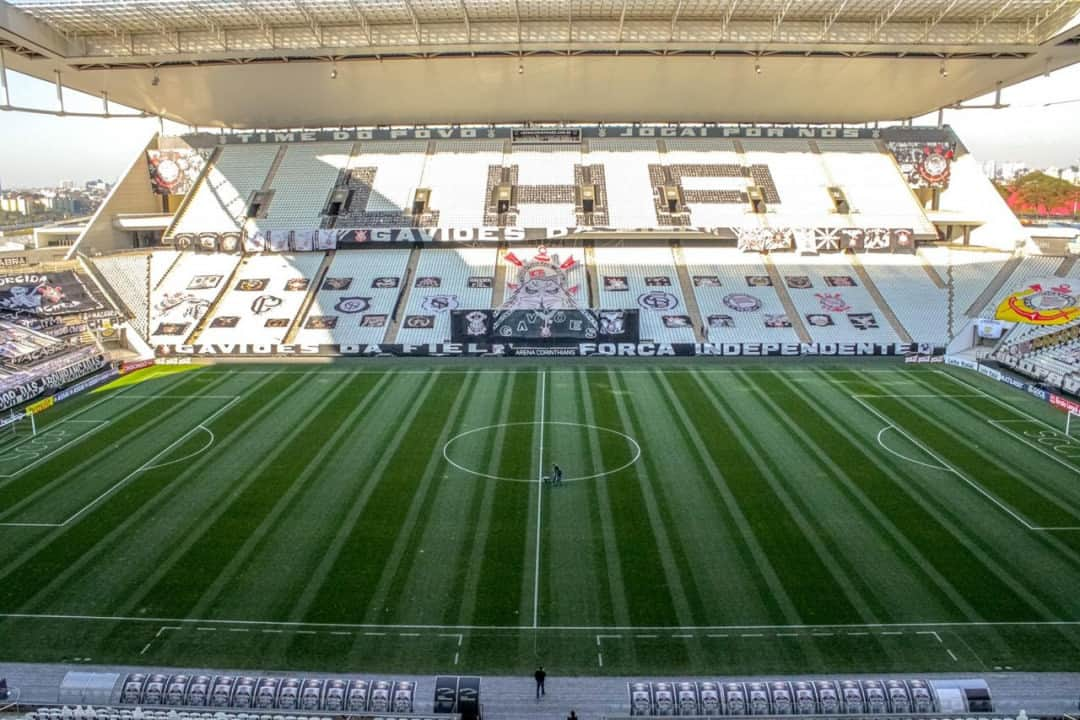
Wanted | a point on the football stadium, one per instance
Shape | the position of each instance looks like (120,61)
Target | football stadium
(649,352)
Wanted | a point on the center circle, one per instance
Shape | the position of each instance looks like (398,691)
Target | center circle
(633,450)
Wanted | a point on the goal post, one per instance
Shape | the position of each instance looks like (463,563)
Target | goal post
(1069,428)
(15,425)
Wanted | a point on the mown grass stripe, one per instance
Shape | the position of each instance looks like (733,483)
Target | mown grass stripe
(463,595)
(340,587)
(401,560)
(193,562)
(73,546)
(348,401)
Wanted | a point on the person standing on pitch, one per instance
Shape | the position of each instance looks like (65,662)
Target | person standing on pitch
(556,474)
(539,675)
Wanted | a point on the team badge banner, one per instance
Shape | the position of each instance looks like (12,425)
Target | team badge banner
(1045,301)
(57,293)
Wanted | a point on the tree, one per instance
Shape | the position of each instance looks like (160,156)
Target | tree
(1041,193)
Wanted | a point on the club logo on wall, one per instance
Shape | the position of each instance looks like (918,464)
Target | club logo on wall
(385,283)
(925,165)
(192,306)
(428,282)
(373,321)
(440,303)
(477,324)
(798,282)
(172,328)
(541,282)
(337,283)
(253,284)
(352,305)
(321,322)
(277,323)
(297,284)
(840,281)
(204,282)
(677,321)
(819,320)
(721,321)
(658,281)
(264,304)
(706,281)
(616,283)
(419,322)
(742,302)
(612,322)
(758,281)
(832,302)
(863,321)
(480,283)
(777,321)
(230,242)
(658,300)
(225,321)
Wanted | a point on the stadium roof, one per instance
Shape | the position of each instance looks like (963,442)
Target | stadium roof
(259,63)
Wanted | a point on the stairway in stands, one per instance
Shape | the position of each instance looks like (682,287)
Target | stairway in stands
(883,305)
(688,293)
(313,290)
(789,306)
(995,285)
(403,298)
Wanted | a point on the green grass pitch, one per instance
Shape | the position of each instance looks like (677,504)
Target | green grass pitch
(716,518)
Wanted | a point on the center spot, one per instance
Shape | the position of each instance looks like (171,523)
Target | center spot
(563,442)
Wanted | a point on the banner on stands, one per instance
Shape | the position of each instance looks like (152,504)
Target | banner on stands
(55,293)
(35,387)
(130,366)
(513,349)
(87,384)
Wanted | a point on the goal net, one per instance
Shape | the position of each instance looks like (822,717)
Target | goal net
(16,426)
(1072,425)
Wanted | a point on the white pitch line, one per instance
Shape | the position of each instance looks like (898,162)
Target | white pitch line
(1003,425)
(982,491)
(592,629)
(951,654)
(539,500)
(146,647)
(77,438)
(930,632)
(888,449)
(150,463)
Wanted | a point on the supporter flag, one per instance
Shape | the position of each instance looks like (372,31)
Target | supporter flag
(1049,301)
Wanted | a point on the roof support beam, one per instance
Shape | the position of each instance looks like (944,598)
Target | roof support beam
(3,78)
(468,25)
(622,20)
(415,22)
(832,18)
(936,20)
(362,19)
(675,20)
(316,29)
(517,16)
(266,30)
(778,21)
(171,36)
(883,20)
(1041,19)
(981,25)
(727,18)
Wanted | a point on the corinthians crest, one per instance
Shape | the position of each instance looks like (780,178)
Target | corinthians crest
(541,283)
(1049,302)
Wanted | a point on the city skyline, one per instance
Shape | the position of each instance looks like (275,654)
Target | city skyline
(1038,128)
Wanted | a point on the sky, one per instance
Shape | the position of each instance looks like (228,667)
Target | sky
(42,150)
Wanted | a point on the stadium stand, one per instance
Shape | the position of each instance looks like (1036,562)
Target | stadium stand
(360,292)
(646,279)
(441,284)
(220,202)
(800,182)
(128,274)
(735,304)
(184,295)
(919,304)
(831,300)
(876,191)
(971,271)
(626,171)
(302,184)
(457,173)
(262,300)
(1029,268)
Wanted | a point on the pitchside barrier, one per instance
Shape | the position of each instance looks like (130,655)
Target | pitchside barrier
(1067,405)
(79,712)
